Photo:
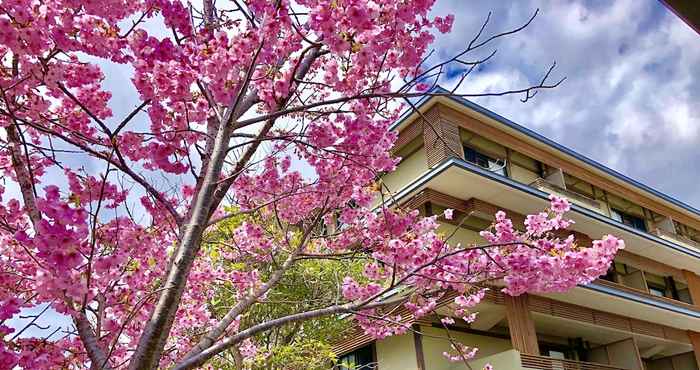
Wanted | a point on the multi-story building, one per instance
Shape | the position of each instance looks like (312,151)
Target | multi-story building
(644,314)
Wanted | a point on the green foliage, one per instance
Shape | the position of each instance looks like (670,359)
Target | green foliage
(308,284)
(309,354)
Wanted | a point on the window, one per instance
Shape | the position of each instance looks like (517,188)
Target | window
(359,359)
(684,295)
(629,220)
(494,165)
(657,290)
(557,351)
(611,275)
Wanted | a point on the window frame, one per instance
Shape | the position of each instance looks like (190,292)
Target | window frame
(635,222)
(486,159)
(370,355)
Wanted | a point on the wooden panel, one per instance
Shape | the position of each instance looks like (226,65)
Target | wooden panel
(650,265)
(418,344)
(416,202)
(540,304)
(488,211)
(573,312)
(434,150)
(495,296)
(625,354)
(612,321)
(675,334)
(407,135)
(547,363)
(356,338)
(481,209)
(695,341)
(520,324)
(446,200)
(556,308)
(647,328)
(693,286)
(441,138)
(646,294)
(551,158)
(451,136)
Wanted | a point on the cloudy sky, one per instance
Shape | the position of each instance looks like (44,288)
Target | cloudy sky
(632,96)
(633,76)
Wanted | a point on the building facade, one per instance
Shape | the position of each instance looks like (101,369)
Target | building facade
(644,314)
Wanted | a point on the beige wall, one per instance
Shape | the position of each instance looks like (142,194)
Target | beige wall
(457,234)
(434,347)
(410,169)
(522,175)
(397,353)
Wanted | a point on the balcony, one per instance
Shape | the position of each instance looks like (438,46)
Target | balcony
(581,200)
(548,363)
(675,238)
(645,294)
(514,360)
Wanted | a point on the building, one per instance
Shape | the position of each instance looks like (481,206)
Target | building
(645,314)
(688,11)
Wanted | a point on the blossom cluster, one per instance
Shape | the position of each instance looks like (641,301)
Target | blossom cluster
(537,257)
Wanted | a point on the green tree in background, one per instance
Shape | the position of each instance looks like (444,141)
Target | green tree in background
(308,284)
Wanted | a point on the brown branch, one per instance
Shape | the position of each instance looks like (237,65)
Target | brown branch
(228,342)
(210,338)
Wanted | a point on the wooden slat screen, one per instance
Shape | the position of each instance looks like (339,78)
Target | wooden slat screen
(441,138)
(647,295)
(565,310)
(547,363)
(407,135)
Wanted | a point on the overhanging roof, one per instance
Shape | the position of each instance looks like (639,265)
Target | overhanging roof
(687,10)
(442,93)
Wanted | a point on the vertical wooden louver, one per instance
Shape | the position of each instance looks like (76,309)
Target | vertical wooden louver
(441,138)
(695,341)
(522,328)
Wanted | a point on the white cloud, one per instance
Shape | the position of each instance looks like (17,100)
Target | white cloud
(633,81)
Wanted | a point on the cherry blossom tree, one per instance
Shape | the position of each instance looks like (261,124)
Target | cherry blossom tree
(272,110)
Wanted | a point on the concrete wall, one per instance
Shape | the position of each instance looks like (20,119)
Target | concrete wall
(460,235)
(397,353)
(434,347)
(522,175)
(410,169)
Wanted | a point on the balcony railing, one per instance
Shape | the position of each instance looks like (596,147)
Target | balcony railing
(676,238)
(544,185)
(645,294)
(548,363)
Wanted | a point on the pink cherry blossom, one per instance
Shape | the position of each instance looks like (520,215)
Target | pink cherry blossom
(254,140)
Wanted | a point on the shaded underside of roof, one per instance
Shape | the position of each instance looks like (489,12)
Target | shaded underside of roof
(687,10)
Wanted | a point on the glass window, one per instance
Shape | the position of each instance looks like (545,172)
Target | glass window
(557,351)
(657,291)
(684,296)
(610,275)
(629,220)
(494,165)
(559,355)
(359,359)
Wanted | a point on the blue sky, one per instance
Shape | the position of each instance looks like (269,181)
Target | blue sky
(632,92)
